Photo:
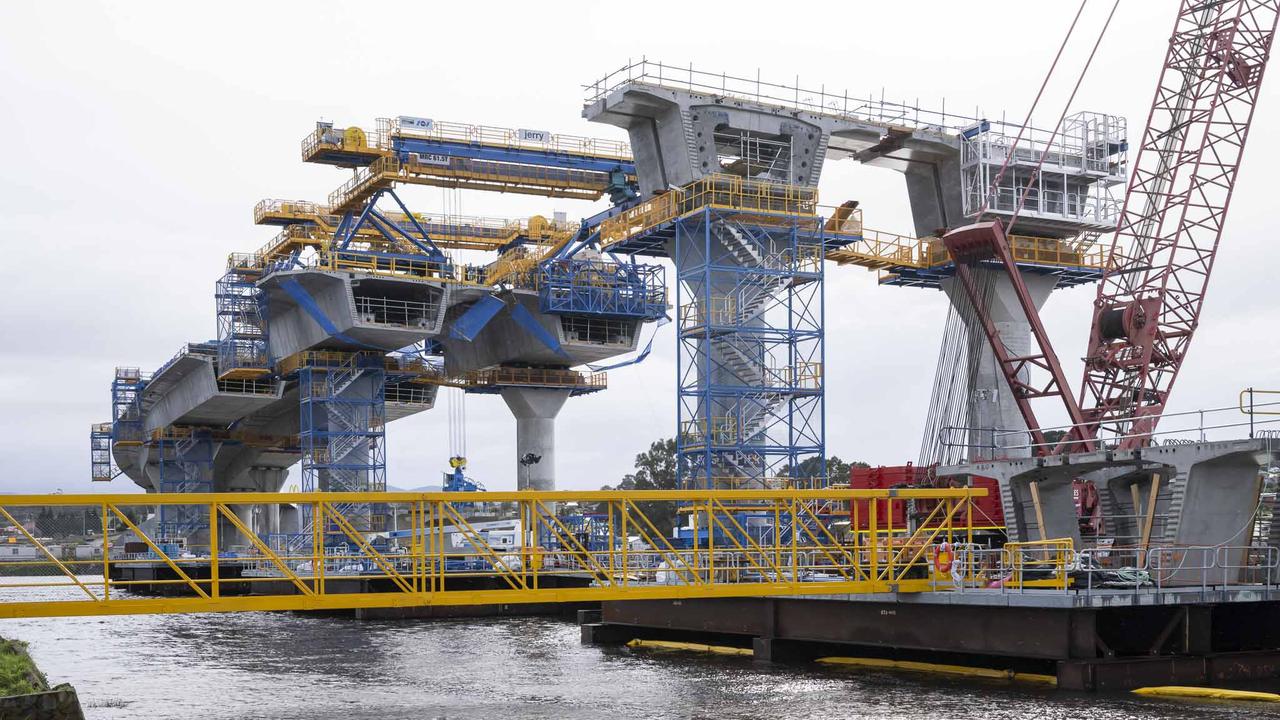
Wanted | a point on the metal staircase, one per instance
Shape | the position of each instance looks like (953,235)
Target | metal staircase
(749,326)
(185,465)
(343,420)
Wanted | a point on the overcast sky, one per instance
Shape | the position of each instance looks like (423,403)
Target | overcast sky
(138,137)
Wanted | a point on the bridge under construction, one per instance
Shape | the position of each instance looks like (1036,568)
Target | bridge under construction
(1128,535)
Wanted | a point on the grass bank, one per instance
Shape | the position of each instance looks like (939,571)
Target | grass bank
(18,674)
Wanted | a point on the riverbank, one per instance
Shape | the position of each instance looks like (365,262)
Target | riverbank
(25,692)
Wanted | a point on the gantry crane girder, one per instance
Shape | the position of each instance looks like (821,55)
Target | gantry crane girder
(422,151)
(449,232)
(1152,291)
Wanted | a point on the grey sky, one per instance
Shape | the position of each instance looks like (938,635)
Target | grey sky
(138,136)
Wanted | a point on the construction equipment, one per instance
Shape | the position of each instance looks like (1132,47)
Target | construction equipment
(1149,301)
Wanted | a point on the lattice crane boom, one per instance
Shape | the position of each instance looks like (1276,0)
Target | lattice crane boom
(1151,294)
(1149,300)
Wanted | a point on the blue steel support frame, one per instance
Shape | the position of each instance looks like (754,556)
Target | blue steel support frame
(185,466)
(241,308)
(750,400)
(342,431)
(617,289)
(350,224)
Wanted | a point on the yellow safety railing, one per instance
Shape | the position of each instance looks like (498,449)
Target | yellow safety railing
(351,140)
(541,377)
(765,202)
(291,210)
(879,250)
(1249,404)
(1038,564)
(75,554)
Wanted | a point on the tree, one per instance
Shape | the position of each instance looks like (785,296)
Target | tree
(655,469)
(811,469)
(1053,437)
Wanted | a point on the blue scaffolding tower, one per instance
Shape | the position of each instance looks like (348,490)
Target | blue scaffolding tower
(750,359)
(185,463)
(342,434)
(126,406)
(242,323)
(102,466)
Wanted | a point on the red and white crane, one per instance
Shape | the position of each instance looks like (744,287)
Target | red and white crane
(1151,293)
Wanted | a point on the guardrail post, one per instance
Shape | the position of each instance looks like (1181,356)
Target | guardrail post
(106,555)
(213,550)
(1251,413)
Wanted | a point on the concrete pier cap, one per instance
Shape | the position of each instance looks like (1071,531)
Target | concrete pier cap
(1206,493)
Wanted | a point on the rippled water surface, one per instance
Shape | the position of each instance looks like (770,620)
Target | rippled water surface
(292,666)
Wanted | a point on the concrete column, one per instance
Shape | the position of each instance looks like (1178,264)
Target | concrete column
(246,515)
(991,404)
(535,410)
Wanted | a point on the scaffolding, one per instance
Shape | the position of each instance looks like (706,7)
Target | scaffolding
(101,465)
(1081,164)
(185,465)
(126,406)
(242,325)
(749,366)
(602,288)
(343,417)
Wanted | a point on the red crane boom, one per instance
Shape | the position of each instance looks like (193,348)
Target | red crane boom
(1151,294)
(1149,300)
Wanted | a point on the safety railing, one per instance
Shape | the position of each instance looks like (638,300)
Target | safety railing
(536,377)
(248,386)
(400,313)
(290,210)
(406,394)
(421,549)
(815,100)
(506,138)
(596,330)
(1053,566)
(352,140)
(1097,207)
(1174,428)
(881,251)
(764,201)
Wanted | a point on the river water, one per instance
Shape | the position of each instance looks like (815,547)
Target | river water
(259,665)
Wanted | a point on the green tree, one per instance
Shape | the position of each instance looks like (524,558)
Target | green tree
(655,469)
(836,470)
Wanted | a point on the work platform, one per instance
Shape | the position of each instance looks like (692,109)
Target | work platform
(752,543)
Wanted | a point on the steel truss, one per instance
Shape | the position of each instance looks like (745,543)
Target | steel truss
(750,359)
(1149,303)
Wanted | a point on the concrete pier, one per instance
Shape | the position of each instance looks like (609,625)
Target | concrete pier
(535,410)
(995,424)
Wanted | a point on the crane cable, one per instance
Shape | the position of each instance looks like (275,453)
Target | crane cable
(1066,107)
(995,183)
